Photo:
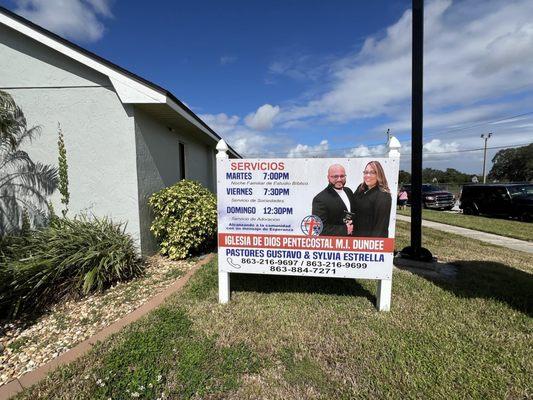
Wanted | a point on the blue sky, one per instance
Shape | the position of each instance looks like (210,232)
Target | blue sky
(316,78)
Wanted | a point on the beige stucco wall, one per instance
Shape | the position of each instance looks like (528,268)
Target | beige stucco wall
(158,164)
(98,128)
(118,154)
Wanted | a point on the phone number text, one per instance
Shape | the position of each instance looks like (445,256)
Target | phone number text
(303,263)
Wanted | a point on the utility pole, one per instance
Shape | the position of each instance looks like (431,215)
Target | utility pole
(485,154)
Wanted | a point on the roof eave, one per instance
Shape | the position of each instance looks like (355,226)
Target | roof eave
(131,88)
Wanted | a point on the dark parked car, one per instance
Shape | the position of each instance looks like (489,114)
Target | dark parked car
(433,197)
(503,199)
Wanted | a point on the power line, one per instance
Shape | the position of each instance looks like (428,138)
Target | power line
(426,136)
(476,149)
(479,124)
(470,150)
(457,151)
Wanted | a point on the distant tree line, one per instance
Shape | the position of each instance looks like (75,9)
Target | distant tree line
(509,165)
(429,175)
(514,165)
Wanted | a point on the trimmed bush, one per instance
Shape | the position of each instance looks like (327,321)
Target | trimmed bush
(71,257)
(185,220)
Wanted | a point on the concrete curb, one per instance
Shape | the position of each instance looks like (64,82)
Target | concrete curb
(17,385)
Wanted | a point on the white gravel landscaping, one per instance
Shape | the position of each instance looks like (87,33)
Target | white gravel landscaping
(24,348)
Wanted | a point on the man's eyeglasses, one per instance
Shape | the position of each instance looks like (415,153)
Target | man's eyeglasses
(337,176)
(369,172)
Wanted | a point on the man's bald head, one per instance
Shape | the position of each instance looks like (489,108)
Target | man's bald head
(337,176)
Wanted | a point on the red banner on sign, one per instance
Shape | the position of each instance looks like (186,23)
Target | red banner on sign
(300,242)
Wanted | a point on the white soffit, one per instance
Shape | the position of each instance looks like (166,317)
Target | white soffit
(176,107)
(130,94)
(128,89)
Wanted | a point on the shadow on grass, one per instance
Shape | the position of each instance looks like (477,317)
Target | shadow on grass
(299,284)
(489,280)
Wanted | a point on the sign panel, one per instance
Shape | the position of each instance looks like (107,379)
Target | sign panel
(312,217)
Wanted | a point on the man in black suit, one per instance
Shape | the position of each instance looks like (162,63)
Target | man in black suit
(331,203)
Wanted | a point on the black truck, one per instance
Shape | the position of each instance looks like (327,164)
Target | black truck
(433,197)
(499,199)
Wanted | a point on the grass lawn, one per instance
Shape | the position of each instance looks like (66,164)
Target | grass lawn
(318,338)
(504,227)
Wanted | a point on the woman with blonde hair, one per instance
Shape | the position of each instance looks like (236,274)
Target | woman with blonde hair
(372,202)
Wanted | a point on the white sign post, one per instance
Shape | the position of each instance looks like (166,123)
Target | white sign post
(223,276)
(275,216)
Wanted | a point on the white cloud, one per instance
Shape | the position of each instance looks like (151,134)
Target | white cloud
(298,66)
(225,60)
(76,19)
(304,150)
(451,123)
(365,151)
(220,123)
(474,51)
(294,124)
(323,150)
(436,146)
(507,120)
(250,144)
(244,140)
(102,6)
(478,57)
(263,118)
(528,126)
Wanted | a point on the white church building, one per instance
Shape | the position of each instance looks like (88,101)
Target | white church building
(126,137)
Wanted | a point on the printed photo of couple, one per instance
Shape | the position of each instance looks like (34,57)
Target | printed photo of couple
(362,212)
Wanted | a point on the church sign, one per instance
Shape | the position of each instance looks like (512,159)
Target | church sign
(326,217)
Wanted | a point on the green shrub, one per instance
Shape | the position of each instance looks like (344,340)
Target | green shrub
(185,220)
(6,271)
(70,257)
(5,291)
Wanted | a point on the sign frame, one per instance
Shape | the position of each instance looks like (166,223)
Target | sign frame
(384,289)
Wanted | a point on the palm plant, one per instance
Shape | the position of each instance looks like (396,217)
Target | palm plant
(24,184)
(8,117)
